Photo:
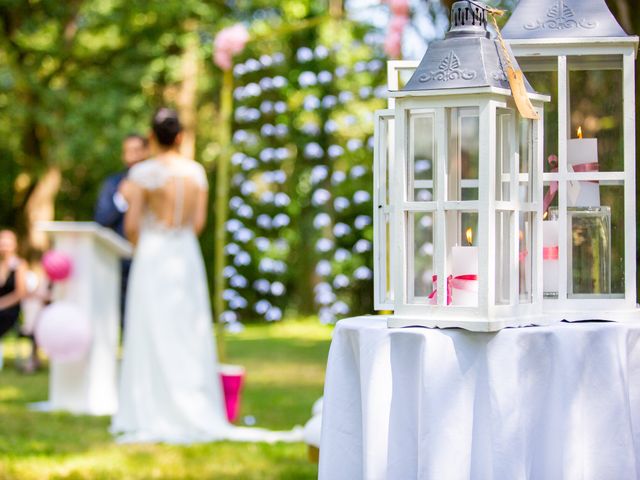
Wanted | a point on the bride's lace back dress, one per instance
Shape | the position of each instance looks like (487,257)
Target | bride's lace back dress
(169,387)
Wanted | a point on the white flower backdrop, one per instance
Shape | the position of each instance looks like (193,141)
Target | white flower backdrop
(300,227)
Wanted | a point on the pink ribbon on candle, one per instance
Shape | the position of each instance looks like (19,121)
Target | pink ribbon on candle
(587,167)
(553,186)
(550,253)
(459,282)
(522,255)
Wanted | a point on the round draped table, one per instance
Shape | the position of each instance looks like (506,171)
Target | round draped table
(539,403)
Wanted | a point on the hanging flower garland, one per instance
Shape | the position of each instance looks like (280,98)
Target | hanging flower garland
(399,20)
(229,41)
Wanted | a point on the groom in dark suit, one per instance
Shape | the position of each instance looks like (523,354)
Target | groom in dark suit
(111,205)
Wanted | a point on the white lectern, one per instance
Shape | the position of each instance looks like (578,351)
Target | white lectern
(89,386)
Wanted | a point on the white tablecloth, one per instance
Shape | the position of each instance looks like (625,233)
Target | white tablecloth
(536,403)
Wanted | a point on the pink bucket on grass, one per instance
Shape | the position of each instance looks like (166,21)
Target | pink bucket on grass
(232,377)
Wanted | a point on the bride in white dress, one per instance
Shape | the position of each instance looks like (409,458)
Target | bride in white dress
(170,390)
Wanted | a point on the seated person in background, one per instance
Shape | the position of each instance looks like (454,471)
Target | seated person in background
(38,296)
(112,206)
(12,283)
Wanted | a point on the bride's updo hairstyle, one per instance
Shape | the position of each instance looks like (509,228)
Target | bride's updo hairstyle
(166,126)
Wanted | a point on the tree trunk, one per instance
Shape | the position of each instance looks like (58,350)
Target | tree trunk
(40,207)
(187,93)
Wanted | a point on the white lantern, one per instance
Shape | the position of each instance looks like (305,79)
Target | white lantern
(458,198)
(575,51)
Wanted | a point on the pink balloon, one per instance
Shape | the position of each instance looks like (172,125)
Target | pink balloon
(63,332)
(57,265)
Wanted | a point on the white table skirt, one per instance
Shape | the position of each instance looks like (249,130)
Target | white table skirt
(536,403)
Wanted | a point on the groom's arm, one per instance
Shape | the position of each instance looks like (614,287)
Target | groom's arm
(107,212)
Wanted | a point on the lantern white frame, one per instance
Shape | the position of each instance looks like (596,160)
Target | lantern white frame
(611,53)
(486,316)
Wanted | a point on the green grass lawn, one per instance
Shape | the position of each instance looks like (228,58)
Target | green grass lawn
(285,365)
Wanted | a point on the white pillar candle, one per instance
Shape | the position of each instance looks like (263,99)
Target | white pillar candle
(582,155)
(464,261)
(550,262)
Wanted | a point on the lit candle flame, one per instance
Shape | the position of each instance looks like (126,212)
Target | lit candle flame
(580,133)
(469,234)
(521,235)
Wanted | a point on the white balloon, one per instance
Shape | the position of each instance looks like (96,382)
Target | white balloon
(63,332)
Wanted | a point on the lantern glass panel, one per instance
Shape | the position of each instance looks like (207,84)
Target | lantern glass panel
(547,83)
(525,267)
(504,151)
(596,106)
(525,156)
(422,157)
(383,293)
(464,153)
(420,257)
(596,247)
(462,255)
(550,197)
(550,245)
(503,257)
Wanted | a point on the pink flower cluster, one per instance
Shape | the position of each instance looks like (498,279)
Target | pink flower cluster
(229,42)
(399,20)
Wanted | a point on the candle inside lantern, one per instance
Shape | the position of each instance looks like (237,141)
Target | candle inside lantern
(550,263)
(582,156)
(464,271)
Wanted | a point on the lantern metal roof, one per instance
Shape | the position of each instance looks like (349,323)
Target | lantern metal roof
(467,57)
(538,19)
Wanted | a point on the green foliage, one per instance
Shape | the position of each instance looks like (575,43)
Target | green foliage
(77,76)
(278,393)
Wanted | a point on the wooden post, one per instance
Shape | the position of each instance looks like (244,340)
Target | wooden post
(221,207)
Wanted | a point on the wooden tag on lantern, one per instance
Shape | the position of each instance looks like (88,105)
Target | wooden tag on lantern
(519,92)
